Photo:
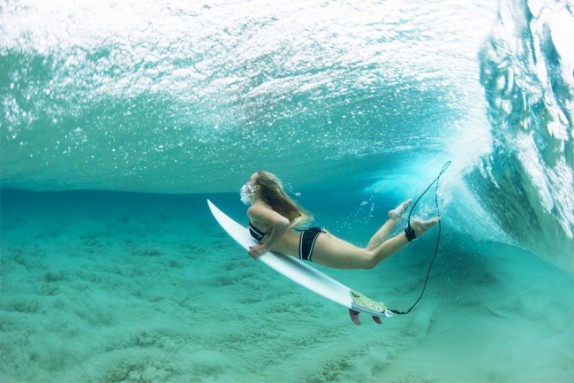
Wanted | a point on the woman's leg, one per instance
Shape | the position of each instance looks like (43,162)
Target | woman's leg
(395,216)
(333,252)
(391,246)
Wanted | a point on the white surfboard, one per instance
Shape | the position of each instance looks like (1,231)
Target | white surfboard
(305,275)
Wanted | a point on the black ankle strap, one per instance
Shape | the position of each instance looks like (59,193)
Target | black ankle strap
(410,233)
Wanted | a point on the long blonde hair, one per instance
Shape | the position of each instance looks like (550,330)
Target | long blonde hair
(272,192)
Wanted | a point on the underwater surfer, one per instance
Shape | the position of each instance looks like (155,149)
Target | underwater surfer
(274,217)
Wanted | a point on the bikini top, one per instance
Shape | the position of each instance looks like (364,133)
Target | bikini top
(256,233)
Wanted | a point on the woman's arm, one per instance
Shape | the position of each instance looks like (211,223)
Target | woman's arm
(279,226)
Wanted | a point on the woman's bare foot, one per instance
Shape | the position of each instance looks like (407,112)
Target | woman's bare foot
(397,213)
(421,226)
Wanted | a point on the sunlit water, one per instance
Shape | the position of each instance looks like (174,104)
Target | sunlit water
(356,107)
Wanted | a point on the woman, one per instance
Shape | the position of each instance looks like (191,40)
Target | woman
(273,217)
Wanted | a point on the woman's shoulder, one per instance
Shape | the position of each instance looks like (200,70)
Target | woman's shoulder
(258,208)
(264,213)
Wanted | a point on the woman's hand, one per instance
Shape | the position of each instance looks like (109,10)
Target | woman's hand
(257,250)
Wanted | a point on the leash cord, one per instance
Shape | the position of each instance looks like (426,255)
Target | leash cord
(434,182)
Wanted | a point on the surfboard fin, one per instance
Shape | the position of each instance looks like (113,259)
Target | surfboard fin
(355,317)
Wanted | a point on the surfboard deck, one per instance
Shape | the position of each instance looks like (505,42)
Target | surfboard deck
(305,275)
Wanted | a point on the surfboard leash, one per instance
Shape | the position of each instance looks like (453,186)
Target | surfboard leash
(410,234)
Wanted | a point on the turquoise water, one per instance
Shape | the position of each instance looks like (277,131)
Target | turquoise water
(120,119)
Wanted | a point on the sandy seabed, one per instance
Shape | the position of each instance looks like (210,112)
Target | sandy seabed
(123,288)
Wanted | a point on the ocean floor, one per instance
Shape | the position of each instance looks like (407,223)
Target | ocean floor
(120,287)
